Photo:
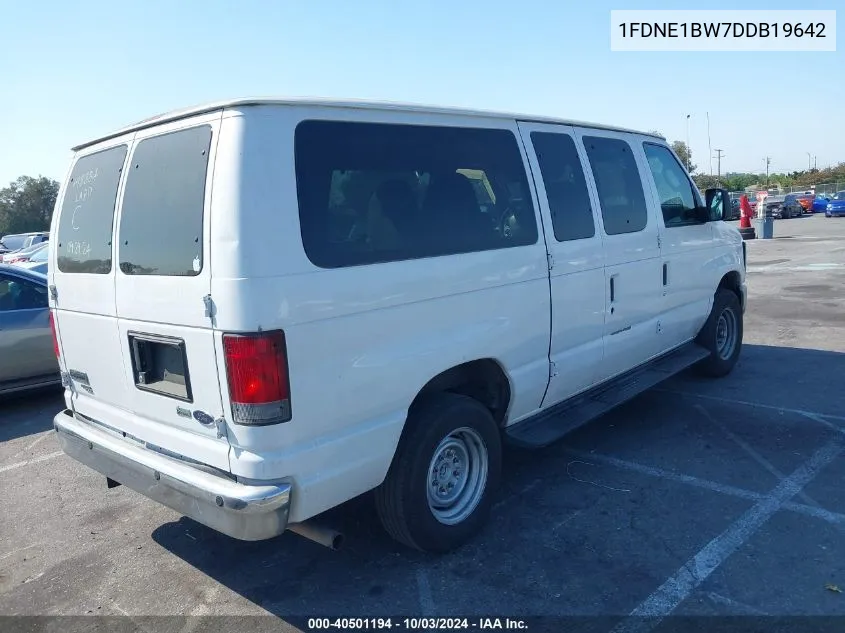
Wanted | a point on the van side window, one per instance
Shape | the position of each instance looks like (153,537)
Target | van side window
(618,183)
(566,187)
(87,213)
(373,193)
(162,216)
(677,198)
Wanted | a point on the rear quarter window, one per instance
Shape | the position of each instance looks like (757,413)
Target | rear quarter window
(84,242)
(162,216)
(375,192)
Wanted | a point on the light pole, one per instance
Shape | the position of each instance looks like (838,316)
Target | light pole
(688,148)
(809,162)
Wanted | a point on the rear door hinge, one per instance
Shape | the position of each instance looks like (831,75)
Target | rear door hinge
(222,431)
(552,369)
(659,242)
(551,260)
(209,306)
(54,292)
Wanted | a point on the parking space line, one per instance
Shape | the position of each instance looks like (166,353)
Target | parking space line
(757,457)
(759,405)
(811,511)
(697,569)
(33,444)
(27,462)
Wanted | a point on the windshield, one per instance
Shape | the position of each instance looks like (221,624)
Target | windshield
(839,195)
(13,242)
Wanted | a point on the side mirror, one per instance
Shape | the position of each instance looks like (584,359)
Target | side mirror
(716,203)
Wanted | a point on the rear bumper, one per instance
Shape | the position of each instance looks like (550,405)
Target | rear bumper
(249,513)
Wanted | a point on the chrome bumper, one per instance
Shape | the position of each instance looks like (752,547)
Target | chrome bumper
(249,513)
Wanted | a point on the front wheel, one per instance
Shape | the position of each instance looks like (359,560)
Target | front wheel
(721,335)
(439,489)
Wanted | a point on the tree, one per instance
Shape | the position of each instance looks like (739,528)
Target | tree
(684,153)
(27,205)
(705,181)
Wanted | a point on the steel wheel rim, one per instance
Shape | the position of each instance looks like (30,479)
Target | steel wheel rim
(726,334)
(457,476)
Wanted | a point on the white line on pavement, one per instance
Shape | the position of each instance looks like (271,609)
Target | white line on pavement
(759,405)
(27,462)
(740,493)
(698,568)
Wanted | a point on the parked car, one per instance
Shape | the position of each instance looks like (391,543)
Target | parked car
(806,200)
(836,206)
(784,206)
(22,254)
(820,203)
(15,242)
(37,261)
(401,324)
(27,353)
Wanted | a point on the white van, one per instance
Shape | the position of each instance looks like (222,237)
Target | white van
(264,308)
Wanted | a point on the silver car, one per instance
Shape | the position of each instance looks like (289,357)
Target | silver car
(27,349)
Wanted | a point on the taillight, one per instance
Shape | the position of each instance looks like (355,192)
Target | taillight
(257,371)
(55,338)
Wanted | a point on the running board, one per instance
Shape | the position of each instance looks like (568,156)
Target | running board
(552,424)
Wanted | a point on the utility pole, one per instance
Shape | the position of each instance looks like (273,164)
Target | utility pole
(709,147)
(719,166)
(768,160)
(816,163)
(809,162)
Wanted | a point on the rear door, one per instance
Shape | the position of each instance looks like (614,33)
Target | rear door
(130,288)
(163,278)
(81,277)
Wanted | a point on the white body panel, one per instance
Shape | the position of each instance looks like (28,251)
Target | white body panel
(362,341)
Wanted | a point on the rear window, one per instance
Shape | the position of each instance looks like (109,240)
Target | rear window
(379,192)
(13,242)
(161,219)
(87,216)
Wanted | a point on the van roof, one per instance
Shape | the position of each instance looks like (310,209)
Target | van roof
(345,103)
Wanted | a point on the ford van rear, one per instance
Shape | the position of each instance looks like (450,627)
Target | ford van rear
(130,286)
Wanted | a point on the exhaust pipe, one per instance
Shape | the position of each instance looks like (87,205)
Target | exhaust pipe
(319,534)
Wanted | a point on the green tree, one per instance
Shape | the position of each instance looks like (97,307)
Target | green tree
(27,204)
(684,153)
(705,181)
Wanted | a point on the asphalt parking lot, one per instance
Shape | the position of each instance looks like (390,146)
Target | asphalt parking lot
(699,497)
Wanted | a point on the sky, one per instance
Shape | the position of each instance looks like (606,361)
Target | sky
(72,71)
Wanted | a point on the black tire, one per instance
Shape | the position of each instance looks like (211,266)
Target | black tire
(721,360)
(402,500)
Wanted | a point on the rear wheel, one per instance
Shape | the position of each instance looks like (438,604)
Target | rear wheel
(438,491)
(721,335)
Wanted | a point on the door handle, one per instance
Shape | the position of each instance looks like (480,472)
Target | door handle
(612,288)
(665,273)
